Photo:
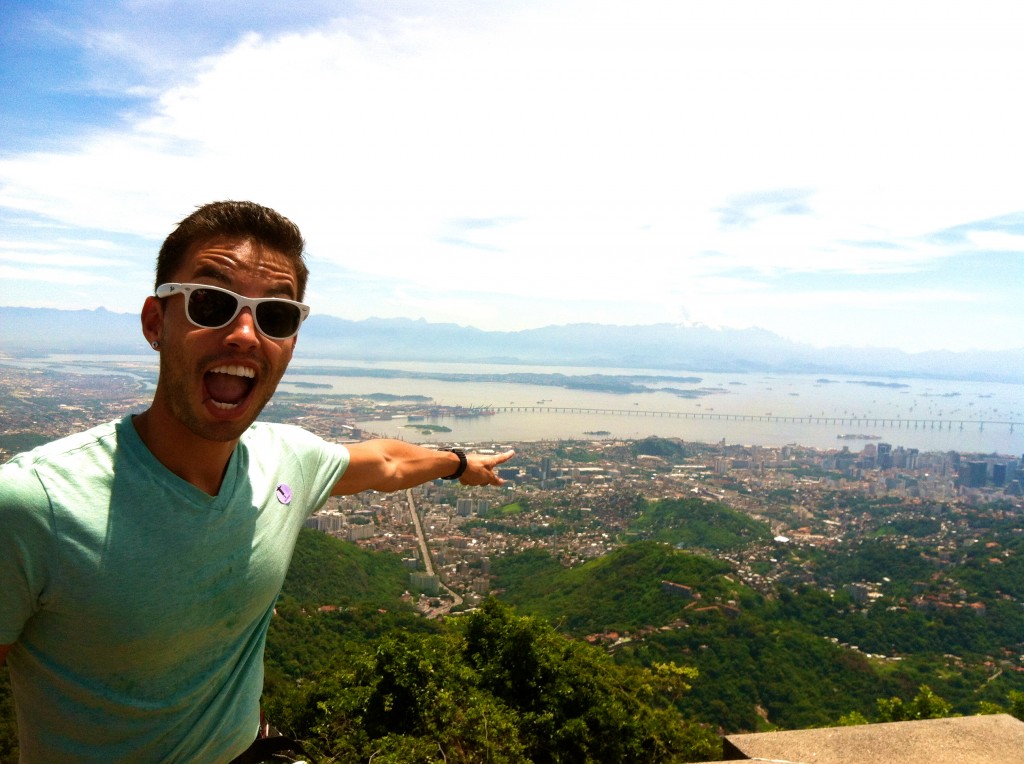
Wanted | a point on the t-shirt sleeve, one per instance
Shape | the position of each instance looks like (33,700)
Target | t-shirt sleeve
(322,463)
(26,547)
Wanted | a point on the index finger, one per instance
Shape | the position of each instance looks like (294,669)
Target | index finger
(502,458)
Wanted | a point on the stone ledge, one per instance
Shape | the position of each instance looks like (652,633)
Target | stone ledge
(990,739)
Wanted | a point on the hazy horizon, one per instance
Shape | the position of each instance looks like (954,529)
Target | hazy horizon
(39,331)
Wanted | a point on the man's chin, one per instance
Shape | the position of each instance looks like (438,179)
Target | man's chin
(220,432)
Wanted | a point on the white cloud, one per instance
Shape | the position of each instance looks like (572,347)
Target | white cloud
(665,160)
(994,241)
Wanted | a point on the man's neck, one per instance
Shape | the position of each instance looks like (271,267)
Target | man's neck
(196,460)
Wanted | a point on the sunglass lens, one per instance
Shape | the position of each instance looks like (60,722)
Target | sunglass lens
(277,319)
(209,307)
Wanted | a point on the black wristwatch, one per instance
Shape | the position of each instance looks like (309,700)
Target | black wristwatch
(462,463)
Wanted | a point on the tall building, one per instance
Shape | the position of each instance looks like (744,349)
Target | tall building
(508,473)
(884,456)
(912,456)
(470,507)
(327,521)
(424,582)
(361,531)
(977,474)
(999,474)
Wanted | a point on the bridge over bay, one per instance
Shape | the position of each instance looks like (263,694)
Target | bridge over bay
(866,420)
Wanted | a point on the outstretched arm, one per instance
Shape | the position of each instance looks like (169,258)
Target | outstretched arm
(392,465)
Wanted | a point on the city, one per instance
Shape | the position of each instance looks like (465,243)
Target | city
(578,503)
(577,499)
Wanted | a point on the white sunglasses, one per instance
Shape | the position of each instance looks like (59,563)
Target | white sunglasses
(211,307)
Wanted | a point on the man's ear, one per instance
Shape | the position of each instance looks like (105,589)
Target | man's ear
(152,319)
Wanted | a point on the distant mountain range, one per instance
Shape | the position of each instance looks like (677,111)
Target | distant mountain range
(658,346)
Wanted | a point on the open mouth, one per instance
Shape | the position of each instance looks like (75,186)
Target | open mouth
(229,385)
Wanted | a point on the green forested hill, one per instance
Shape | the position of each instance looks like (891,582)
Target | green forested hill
(748,653)
(326,571)
(621,590)
(800,658)
(698,523)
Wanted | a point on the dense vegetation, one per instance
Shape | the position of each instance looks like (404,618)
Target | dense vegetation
(490,686)
(353,682)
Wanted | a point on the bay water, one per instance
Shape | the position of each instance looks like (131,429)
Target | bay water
(927,414)
(837,411)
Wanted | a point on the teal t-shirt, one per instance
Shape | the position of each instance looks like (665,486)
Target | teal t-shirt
(137,604)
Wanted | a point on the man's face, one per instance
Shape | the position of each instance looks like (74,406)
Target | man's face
(215,382)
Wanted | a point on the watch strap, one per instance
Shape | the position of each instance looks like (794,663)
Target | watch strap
(463,463)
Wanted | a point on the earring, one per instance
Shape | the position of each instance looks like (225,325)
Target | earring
(155,344)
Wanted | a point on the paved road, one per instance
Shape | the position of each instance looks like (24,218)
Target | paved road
(428,563)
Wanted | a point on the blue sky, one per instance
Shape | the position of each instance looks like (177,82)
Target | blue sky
(837,173)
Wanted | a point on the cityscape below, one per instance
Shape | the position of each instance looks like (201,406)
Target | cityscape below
(453,535)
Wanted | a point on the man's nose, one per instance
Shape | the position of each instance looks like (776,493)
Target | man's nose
(242,330)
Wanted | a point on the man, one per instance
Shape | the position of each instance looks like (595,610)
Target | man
(140,561)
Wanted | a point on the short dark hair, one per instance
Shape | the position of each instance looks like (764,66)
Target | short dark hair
(245,220)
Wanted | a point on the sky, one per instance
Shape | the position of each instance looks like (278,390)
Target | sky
(841,173)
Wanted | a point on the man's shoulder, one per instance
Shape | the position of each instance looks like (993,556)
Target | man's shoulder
(24,476)
(68,445)
(279,431)
(294,438)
